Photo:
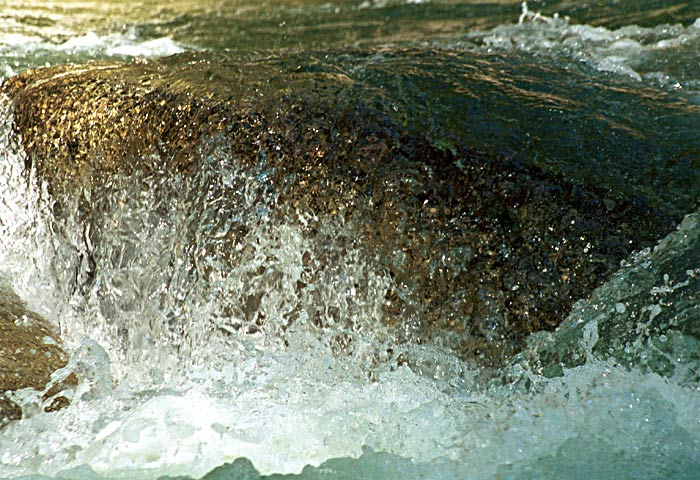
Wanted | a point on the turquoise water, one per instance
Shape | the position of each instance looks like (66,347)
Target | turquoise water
(605,93)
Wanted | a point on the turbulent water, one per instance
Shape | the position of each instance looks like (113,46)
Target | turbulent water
(176,381)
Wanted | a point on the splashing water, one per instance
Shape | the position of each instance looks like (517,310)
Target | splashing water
(651,55)
(189,359)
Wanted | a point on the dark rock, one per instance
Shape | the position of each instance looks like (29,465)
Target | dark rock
(240,469)
(487,248)
(30,351)
(9,411)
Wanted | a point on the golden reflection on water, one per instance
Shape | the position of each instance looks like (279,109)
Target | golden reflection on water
(340,22)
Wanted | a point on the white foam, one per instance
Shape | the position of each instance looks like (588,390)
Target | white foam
(148,48)
(631,51)
(18,53)
(284,418)
(386,3)
(124,45)
(280,417)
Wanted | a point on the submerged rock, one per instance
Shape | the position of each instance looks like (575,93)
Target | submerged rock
(481,250)
(369,465)
(646,316)
(30,351)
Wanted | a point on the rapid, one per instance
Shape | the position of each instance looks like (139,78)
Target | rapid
(191,363)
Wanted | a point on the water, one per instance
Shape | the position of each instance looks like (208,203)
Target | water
(191,357)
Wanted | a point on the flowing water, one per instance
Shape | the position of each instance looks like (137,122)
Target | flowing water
(177,380)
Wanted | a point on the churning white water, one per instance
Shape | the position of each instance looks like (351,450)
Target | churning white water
(645,54)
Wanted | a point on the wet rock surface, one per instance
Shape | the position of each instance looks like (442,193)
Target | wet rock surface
(487,248)
(645,316)
(30,352)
